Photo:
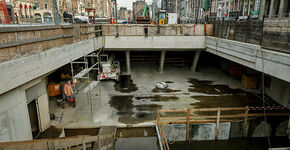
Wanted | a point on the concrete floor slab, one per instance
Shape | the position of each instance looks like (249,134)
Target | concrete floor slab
(112,106)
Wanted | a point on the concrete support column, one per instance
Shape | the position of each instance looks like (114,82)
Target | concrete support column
(195,61)
(128,63)
(162,58)
(281,8)
(271,8)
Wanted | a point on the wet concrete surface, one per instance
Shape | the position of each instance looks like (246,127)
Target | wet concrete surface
(125,84)
(132,102)
(207,87)
(232,144)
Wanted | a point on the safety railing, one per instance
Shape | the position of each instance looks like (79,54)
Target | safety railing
(213,115)
(99,142)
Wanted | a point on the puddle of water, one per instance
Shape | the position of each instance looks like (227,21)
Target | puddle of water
(167,90)
(168,82)
(157,98)
(207,88)
(124,106)
(125,84)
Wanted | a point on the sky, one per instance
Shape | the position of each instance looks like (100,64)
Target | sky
(128,3)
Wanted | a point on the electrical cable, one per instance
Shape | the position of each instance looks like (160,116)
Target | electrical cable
(263,97)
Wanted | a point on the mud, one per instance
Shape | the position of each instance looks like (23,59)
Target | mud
(125,84)
(208,88)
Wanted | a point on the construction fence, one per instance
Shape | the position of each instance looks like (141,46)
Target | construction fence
(272,34)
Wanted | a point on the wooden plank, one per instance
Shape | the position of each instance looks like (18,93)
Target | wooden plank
(217,124)
(187,125)
(245,121)
(104,130)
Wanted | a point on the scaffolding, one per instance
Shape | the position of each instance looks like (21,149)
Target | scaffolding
(87,85)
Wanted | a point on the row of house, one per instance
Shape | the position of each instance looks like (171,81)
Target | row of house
(42,11)
(191,10)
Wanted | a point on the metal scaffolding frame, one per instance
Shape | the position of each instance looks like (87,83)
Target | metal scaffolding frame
(85,75)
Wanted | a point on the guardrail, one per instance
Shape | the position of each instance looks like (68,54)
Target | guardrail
(99,142)
(220,115)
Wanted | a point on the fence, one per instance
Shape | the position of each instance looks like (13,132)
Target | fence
(158,30)
(214,115)
(272,34)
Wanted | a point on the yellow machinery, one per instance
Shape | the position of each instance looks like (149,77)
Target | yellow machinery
(162,18)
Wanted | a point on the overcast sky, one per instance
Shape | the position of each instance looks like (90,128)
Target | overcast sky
(128,3)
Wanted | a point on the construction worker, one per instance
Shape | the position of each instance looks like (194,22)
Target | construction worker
(69,93)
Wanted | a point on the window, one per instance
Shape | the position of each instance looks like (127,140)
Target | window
(45,6)
(36,5)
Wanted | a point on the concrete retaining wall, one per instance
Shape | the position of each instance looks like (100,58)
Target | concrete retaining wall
(155,43)
(14,118)
(276,64)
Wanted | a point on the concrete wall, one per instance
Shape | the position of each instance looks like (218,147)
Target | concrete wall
(273,63)
(154,43)
(14,118)
(279,90)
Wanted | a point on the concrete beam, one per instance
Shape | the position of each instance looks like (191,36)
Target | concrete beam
(276,64)
(16,72)
(195,61)
(128,63)
(162,58)
(154,43)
